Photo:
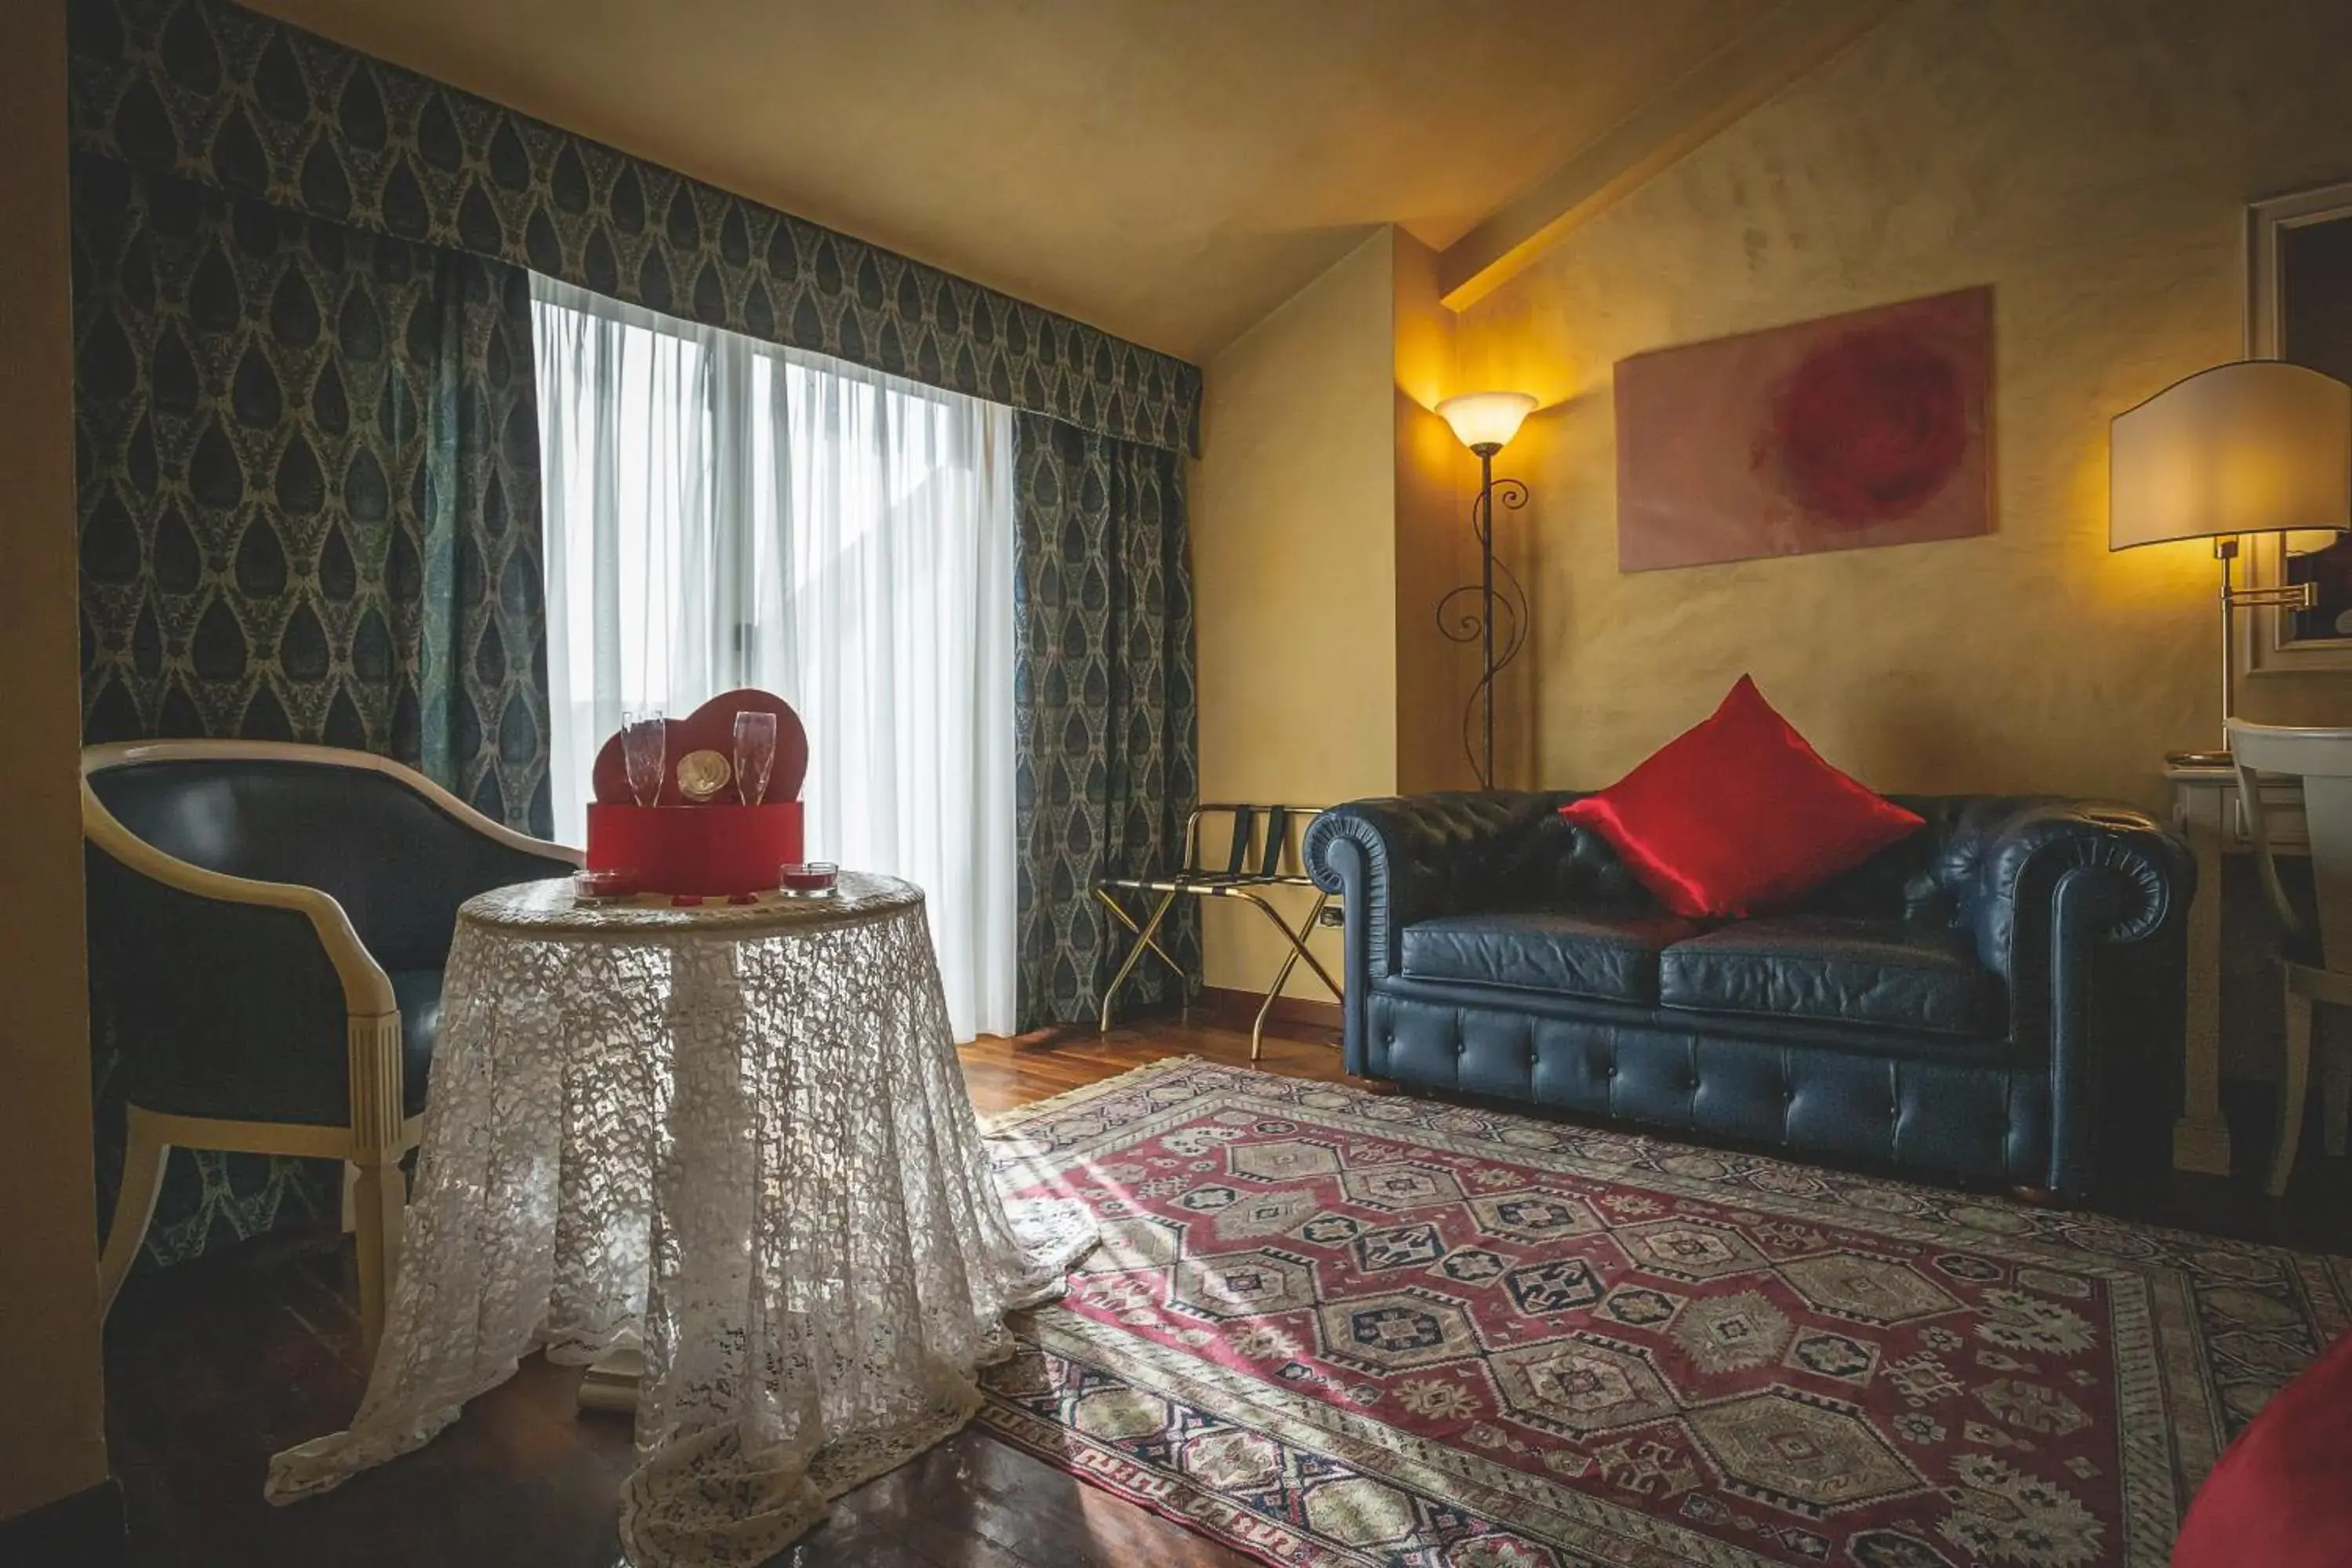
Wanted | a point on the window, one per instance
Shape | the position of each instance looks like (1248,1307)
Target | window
(722,512)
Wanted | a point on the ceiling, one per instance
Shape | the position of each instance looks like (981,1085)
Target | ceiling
(1168,170)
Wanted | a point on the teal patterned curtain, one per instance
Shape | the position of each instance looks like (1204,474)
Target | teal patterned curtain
(247,104)
(309,488)
(309,494)
(1105,744)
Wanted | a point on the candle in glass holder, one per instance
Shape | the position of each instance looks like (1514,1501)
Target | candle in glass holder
(808,880)
(601,886)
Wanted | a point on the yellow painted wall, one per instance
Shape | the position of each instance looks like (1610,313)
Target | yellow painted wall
(1434,547)
(49,1296)
(2089,159)
(1292,511)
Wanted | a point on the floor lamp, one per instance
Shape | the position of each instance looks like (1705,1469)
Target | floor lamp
(2254,446)
(1485,422)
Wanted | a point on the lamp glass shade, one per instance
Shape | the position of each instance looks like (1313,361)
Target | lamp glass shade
(1487,418)
(2256,446)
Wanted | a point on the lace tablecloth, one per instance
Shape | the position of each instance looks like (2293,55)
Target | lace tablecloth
(739,1131)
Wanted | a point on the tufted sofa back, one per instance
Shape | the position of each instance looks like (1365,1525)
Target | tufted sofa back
(1511,849)
(1508,850)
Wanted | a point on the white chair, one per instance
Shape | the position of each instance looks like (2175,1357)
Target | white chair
(2315,958)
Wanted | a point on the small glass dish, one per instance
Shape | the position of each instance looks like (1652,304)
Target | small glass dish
(807,880)
(604,885)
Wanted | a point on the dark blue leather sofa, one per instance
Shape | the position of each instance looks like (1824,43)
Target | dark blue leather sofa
(1946,1006)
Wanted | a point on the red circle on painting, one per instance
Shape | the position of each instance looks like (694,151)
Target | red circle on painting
(1868,427)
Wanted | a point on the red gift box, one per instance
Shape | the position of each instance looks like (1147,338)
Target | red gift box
(714,850)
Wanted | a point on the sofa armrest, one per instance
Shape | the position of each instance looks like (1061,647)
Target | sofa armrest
(2044,886)
(1406,858)
(2116,875)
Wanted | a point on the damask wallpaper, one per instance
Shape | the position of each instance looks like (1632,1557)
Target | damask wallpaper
(241,101)
(1106,746)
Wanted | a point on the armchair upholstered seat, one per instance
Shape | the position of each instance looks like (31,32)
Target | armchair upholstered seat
(267,928)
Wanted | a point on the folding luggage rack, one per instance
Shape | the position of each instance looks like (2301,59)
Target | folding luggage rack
(1264,852)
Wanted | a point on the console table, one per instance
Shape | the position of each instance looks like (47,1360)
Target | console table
(2207,812)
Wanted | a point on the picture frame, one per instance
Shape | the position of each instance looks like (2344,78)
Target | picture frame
(1866,428)
(2298,269)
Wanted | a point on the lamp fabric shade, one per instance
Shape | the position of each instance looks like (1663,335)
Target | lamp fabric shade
(2254,446)
(1487,418)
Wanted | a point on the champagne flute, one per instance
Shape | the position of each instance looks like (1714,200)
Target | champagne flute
(755,754)
(645,737)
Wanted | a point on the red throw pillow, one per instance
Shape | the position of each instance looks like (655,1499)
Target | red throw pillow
(2278,1497)
(1737,815)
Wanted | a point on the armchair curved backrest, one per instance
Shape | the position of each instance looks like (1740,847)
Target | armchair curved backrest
(249,905)
(395,851)
(2322,759)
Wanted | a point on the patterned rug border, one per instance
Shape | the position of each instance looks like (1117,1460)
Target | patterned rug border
(1439,1472)
(2173,1355)
(1177,1498)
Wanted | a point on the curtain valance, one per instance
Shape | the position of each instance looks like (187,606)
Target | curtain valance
(249,105)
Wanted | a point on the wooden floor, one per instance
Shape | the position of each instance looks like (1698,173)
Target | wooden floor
(212,1366)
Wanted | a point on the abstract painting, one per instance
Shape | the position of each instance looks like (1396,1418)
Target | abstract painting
(1839,433)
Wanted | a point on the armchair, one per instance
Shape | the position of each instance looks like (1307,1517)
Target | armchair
(267,928)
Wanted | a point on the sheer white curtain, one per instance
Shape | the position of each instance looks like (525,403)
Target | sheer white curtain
(722,512)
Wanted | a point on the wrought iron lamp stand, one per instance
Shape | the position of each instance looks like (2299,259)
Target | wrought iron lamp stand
(1498,592)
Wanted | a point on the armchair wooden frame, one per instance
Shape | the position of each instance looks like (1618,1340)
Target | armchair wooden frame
(377,1136)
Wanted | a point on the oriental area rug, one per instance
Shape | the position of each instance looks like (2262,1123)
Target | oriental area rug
(1327,1327)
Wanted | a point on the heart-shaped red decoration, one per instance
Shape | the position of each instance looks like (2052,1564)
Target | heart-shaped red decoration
(711,728)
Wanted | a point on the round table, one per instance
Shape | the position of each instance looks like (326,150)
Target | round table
(738,1135)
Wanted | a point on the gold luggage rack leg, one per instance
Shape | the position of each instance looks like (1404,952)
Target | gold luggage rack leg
(1277,864)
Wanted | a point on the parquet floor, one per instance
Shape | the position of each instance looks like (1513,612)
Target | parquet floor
(215,1365)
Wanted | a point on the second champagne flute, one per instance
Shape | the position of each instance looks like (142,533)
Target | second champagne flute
(755,754)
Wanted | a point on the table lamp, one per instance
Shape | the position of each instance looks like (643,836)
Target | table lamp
(2255,447)
(1485,422)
